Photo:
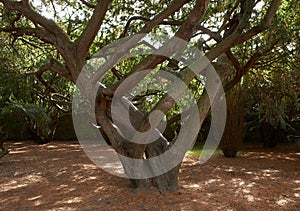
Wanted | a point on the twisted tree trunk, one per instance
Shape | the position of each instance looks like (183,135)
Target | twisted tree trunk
(164,182)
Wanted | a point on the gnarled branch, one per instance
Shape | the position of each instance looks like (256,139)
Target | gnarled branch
(54,66)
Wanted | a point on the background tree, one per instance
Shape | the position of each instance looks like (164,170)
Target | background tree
(76,30)
(235,128)
(273,83)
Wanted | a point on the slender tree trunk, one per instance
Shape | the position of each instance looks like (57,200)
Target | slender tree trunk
(3,137)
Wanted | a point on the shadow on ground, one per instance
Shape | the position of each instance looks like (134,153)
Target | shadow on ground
(59,176)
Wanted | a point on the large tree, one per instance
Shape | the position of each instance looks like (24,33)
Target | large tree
(75,30)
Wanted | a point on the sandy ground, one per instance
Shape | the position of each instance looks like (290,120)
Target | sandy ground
(59,176)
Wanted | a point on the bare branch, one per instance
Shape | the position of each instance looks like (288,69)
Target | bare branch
(116,73)
(267,21)
(87,37)
(234,61)
(254,58)
(67,100)
(54,9)
(106,125)
(31,44)
(88,4)
(175,6)
(54,103)
(237,37)
(56,67)
(39,76)
(228,14)
(257,55)
(37,32)
(214,35)
(244,70)
(134,18)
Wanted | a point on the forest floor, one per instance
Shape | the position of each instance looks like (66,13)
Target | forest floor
(60,176)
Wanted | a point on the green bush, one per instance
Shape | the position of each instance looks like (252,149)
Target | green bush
(26,118)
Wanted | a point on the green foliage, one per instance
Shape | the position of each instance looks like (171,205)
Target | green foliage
(274,97)
(196,151)
(273,85)
(26,105)
(24,117)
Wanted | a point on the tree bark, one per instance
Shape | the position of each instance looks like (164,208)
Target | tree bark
(235,124)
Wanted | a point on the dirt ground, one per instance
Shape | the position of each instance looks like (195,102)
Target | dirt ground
(59,176)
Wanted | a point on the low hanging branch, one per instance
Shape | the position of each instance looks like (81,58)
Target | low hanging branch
(57,104)
(55,66)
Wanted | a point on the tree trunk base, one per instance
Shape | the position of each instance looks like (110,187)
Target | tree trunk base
(230,153)
(3,153)
(164,183)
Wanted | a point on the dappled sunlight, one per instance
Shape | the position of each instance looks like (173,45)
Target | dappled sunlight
(52,147)
(57,173)
(66,189)
(212,181)
(59,176)
(21,182)
(36,200)
(253,178)
(62,171)
(192,186)
(82,179)
(18,152)
(62,208)
(272,155)
(284,201)
(250,198)
(86,166)
(69,201)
